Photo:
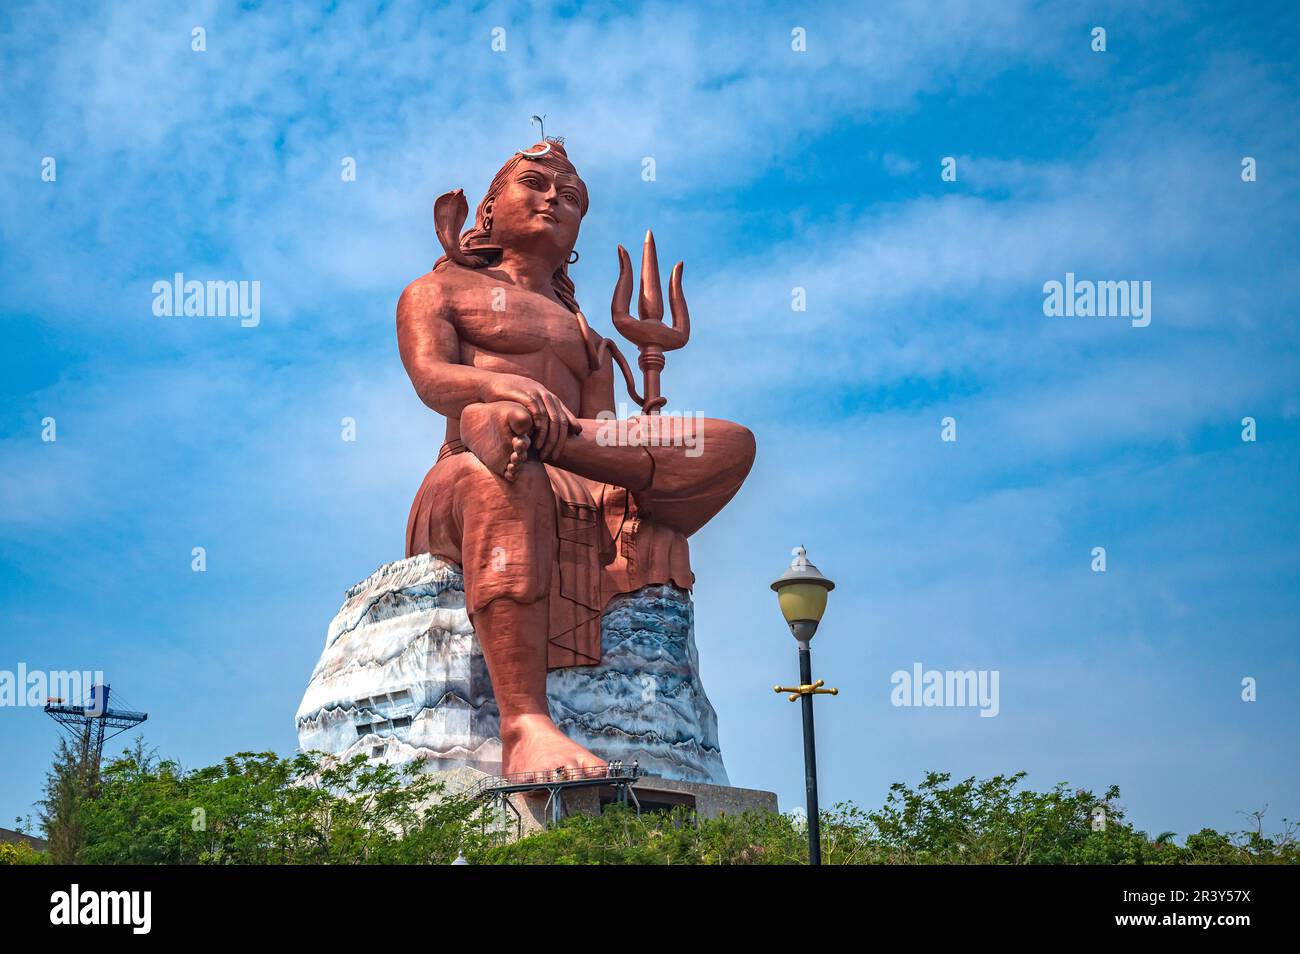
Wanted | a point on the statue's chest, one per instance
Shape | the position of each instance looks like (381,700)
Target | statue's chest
(519,323)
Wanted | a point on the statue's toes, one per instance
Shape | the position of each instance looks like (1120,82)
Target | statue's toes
(519,420)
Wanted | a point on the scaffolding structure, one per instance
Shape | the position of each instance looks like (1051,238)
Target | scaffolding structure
(92,725)
(496,791)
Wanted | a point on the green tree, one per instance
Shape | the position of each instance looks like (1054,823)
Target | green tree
(20,853)
(619,836)
(62,808)
(258,808)
(971,821)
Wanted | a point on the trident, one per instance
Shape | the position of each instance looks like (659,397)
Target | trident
(647,331)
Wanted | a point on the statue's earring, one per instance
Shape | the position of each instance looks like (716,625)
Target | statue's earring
(487,220)
(575,257)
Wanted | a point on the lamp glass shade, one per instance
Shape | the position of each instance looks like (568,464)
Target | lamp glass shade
(802,601)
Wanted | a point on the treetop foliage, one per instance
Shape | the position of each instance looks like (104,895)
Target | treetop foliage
(259,808)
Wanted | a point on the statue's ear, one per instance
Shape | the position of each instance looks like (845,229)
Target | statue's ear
(449,214)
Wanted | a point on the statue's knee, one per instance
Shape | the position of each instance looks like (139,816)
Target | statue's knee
(530,479)
(746,446)
(735,448)
(527,496)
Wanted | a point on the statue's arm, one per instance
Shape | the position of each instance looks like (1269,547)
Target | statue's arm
(430,348)
(598,388)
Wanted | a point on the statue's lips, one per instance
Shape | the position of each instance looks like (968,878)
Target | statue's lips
(548,216)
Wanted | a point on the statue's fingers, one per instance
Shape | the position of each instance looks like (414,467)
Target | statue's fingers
(559,428)
(677,301)
(622,301)
(555,424)
(541,421)
(561,435)
(650,306)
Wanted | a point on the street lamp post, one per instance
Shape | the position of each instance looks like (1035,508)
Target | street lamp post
(802,591)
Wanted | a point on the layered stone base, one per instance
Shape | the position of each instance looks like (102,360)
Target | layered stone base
(402,677)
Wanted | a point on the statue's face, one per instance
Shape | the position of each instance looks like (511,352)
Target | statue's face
(538,208)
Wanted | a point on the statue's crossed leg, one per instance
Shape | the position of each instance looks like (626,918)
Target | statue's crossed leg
(502,531)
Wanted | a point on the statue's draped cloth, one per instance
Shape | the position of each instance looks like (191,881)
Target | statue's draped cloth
(582,544)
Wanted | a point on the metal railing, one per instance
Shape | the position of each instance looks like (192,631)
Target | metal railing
(614,772)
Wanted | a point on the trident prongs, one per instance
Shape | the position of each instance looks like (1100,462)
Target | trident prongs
(648,331)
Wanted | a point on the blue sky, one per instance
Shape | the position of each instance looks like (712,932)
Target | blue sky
(775,169)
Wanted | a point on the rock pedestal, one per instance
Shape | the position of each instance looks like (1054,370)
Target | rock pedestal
(402,677)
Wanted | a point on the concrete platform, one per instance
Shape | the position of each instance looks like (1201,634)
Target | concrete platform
(653,794)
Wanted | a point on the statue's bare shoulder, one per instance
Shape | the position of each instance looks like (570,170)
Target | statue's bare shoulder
(431,297)
(426,322)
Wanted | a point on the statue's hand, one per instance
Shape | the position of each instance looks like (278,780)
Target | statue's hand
(552,421)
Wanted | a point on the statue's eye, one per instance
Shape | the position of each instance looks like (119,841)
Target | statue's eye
(533,181)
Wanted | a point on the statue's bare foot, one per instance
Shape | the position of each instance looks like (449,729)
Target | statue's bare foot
(497,434)
(532,743)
